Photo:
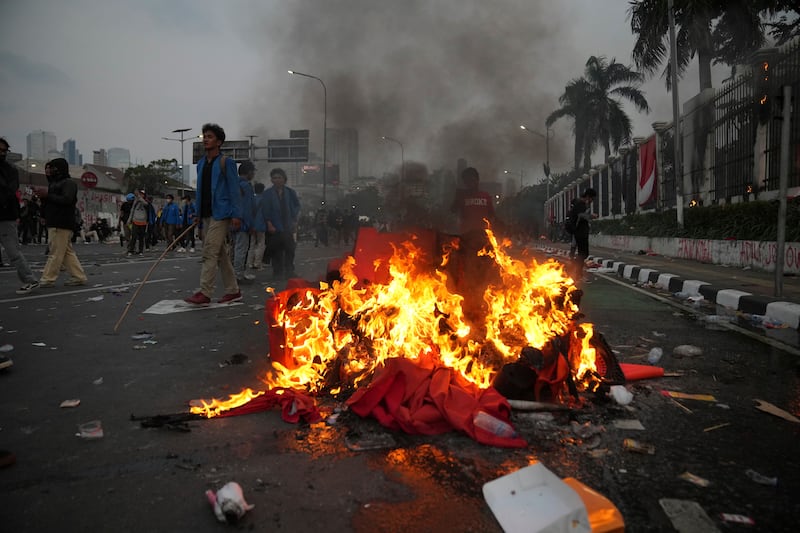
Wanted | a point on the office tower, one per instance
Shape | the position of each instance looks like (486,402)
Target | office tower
(41,144)
(119,158)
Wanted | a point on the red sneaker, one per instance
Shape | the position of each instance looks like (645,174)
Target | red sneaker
(198,299)
(230,298)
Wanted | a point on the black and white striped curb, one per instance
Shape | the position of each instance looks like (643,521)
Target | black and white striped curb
(787,313)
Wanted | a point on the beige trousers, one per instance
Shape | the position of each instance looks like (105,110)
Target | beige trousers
(61,252)
(216,254)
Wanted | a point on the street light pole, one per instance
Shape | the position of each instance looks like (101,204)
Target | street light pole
(181,140)
(402,164)
(324,131)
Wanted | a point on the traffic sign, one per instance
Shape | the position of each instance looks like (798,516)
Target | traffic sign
(89,180)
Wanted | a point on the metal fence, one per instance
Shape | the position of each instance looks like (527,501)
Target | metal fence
(739,127)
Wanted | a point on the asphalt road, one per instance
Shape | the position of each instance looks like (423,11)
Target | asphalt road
(306,478)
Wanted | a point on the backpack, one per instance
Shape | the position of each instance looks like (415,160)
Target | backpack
(570,224)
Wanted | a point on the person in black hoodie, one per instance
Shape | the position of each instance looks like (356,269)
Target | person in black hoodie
(59,214)
(9,213)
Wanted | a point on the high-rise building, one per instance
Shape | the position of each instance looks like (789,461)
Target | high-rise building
(41,144)
(119,158)
(99,157)
(72,154)
(343,151)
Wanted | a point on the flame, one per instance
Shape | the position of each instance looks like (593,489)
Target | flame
(763,99)
(340,334)
(214,407)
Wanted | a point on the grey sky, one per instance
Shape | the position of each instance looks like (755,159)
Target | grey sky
(450,78)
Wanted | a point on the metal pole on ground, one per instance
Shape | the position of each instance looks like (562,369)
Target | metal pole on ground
(786,129)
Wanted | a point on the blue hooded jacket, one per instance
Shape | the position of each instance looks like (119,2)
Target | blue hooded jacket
(171,214)
(248,204)
(226,200)
(271,207)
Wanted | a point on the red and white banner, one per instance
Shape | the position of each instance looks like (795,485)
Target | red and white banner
(646,188)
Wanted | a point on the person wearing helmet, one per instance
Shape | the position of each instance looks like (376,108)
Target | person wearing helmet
(124,215)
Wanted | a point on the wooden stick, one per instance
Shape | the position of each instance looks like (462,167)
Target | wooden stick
(147,276)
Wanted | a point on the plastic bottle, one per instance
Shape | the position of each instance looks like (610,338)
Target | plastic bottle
(655,355)
(494,425)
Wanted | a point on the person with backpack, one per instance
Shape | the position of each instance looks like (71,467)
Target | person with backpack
(139,222)
(578,225)
(219,202)
(124,215)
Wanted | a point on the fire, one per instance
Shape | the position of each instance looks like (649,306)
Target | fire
(340,334)
(214,407)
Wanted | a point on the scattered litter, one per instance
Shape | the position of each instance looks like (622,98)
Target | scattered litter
(586,430)
(697,480)
(628,423)
(149,341)
(139,347)
(527,405)
(775,410)
(679,404)
(70,403)
(687,350)
(737,519)
(535,499)
(718,426)
(333,419)
(687,516)
(374,441)
(620,394)
(98,381)
(686,396)
(761,479)
(599,453)
(659,334)
(6,348)
(715,319)
(228,503)
(638,447)
(39,344)
(95,299)
(723,406)
(696,299)
(90,430)
(116,291)
(773,323)
(674,374)
(655,355)
(235,359)
(142,335)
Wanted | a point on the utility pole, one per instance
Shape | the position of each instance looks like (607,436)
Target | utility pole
(252,151)
(676,116)
(783,181)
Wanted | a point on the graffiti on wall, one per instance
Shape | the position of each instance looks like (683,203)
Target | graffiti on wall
(696,250)
(765,255)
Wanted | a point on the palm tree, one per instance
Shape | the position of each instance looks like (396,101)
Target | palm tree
(594,102)
(574,105)
(718,31)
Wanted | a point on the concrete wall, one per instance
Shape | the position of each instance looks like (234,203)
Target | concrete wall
(759,255)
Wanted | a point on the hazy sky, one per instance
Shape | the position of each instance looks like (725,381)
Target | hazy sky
(449,78)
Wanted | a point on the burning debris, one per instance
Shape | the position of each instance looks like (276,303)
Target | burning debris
(521,319)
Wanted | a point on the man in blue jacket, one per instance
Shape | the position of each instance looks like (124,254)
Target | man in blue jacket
(247,172)
(170,218)
(219,206)
(280,209)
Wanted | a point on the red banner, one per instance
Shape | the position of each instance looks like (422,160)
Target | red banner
(646,188)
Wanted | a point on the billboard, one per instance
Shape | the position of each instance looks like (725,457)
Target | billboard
(287,150)
(238,150)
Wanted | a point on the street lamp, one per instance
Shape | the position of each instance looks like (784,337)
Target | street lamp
(324,130)
(506,171)
(181,140)
(402,163)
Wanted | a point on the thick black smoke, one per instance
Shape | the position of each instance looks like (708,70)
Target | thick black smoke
(449,79)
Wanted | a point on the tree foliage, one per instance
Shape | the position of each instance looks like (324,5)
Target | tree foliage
(594,102)
(716,31)
(151,178)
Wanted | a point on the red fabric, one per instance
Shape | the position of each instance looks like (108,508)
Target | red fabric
(422,398)
(552,376)
(646,189)
(373,249)
(294,406)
